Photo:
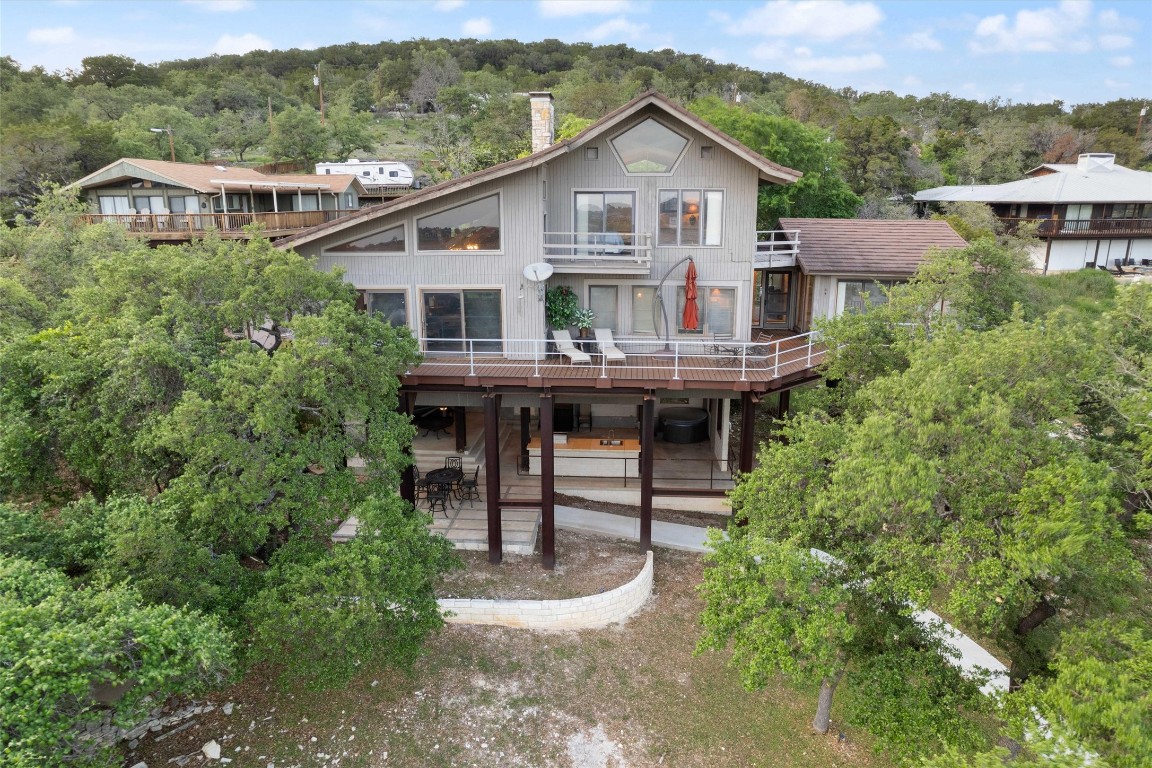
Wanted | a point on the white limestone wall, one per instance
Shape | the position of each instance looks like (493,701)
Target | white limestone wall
(589,612)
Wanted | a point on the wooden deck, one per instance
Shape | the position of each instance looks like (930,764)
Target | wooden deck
(728,365)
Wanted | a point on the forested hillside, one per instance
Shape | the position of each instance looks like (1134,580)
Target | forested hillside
(453,106)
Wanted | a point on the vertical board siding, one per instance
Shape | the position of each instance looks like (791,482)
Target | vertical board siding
(523,209)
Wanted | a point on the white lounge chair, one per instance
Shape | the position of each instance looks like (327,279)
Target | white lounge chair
(565,347)
(608,348)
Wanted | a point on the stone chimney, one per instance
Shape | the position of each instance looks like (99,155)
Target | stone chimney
(543,122)
(1090,162)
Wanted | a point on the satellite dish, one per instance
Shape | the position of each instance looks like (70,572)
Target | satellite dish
(538,272)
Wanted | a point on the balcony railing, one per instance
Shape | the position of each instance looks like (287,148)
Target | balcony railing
(603,252)
(776,248)
(646,357)
(176,224)
(1083,227)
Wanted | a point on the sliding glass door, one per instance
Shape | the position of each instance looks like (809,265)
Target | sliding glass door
(453,316)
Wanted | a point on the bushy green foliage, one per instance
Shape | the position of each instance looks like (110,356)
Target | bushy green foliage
(374,593)
(61,647)
(821,192)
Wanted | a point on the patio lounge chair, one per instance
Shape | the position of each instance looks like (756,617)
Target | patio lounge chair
(565,347)
(608,346)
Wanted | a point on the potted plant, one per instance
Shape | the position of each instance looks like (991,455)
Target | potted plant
(560,306)
(582,319)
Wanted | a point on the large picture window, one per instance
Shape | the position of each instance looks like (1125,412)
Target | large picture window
(473,226)
(453,316)
(390,240)
(690,217)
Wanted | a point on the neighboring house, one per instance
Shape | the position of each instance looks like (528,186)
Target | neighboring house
(1091,214)
(845,264)
(618,214)
(173,202)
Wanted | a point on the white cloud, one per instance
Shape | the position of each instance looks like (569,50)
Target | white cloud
(240,44)
(221,6)
(1109,18)
(551,9)
(1115,42)
(810,19)
(52,36)
(617,29)
(800,59)
(444,6)
(911,81)
(1117,84)
(720,17)
(923,41)
(1055,29)
(1122,62)
(481,27)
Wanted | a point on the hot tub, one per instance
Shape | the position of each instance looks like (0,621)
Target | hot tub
(684,425)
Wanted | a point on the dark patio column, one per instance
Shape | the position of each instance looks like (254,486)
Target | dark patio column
(492,476)
(785,403)
(547,484)
(461,429)
(647,448)
(525,436)
(407,477)
(747,431)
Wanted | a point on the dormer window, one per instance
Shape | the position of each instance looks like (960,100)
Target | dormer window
(649,147)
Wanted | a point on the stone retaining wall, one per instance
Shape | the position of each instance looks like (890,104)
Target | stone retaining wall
(589,612)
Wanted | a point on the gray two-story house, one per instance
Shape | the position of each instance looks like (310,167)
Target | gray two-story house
(621,214)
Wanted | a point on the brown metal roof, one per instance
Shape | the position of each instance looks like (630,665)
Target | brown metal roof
(769,171)
(868,247)
(204,178)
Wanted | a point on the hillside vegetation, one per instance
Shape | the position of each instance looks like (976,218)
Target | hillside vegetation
(454,106)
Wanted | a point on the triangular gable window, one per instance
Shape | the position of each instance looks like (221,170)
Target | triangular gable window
(649,147)
(389,241)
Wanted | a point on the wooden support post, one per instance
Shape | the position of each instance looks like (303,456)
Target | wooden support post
(547,484)
(461,423)
(747,431)
(647,448)
(492,476)
(407,477)
(785,403)
(525,436)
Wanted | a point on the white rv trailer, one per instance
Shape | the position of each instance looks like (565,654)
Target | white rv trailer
(388,173)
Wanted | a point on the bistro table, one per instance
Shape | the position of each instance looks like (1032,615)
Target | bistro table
(434,420)
(448,477)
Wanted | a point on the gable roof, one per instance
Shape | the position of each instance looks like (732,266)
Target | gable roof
(868,247)
(209,178)
(1066,184)
(768,170)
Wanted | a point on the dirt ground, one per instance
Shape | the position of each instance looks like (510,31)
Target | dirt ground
(633,694)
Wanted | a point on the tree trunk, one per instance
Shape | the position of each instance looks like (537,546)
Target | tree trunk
(824,703)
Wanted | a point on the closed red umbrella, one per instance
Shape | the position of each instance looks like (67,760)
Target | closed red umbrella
(691,319)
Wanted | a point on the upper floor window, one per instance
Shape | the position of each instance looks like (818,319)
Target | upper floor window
(649,147)
(473,226)
(390,240)
(690,217)
(390,305)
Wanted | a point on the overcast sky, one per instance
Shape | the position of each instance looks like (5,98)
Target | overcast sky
(1075,50)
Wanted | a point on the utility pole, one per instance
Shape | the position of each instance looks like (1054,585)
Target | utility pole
(171,144)
(320,90)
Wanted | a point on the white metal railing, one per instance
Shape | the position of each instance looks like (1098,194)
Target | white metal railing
(778,247)
(619,252)
(680,358)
